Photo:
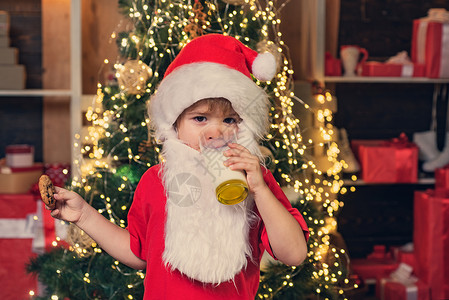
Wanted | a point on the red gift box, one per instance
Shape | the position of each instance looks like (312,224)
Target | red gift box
(404,254)
(374,68)
(332,65)
(377,264)
(16,214)
(394,290)
(26,229)
(429,46)
(371,269)
(431,240)
(402,285)
(442,179)
(384,161)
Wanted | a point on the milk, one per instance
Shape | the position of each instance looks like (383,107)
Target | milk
(230,185)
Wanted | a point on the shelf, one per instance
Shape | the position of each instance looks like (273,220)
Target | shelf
(35,93)
(366,79)
(360,182)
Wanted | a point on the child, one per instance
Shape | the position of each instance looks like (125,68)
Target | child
(192,246)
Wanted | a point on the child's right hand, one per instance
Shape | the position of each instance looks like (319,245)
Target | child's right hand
(69,205)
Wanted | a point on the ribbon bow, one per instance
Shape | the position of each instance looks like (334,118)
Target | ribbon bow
(438,15)
(399,142)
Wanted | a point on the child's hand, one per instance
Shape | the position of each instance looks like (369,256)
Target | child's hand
(69,205)
(241,159)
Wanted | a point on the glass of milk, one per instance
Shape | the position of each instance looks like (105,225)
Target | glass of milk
(230,185)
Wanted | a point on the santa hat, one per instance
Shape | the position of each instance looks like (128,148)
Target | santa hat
(214,66)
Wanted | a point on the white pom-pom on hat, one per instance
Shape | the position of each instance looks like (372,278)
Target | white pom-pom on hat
(264,66)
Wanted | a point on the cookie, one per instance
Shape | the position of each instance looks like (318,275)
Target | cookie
(47,190)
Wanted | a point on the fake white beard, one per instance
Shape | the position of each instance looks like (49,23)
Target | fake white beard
(204,239)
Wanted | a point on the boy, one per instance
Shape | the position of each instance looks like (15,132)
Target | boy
(192,246)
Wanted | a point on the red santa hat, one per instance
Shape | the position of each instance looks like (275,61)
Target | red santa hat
(214,66)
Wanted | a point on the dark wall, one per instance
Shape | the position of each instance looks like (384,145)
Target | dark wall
(382,214)
(21,117)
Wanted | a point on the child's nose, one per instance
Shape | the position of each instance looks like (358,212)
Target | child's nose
(214,132)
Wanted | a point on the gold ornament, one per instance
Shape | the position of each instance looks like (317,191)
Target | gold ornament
(133,75)
(234,2)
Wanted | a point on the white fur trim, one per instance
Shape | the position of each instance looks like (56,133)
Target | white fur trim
(193,82)
(264,66)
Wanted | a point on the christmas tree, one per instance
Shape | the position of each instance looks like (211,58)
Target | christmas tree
(119,149)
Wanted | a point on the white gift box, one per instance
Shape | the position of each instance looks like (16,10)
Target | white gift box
(19,156)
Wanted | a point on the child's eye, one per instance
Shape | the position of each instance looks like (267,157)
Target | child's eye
(200,118)
(230,120)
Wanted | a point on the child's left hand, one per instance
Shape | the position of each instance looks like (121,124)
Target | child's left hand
(241,159)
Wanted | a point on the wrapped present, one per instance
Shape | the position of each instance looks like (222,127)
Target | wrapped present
(8,56)
(12,77)
(18,244)
(372,269)
(380,69)
(429,43)
(379,252)
(59,173)
(404,254)
(332,65)
(19,156)
(431,240)
(19,180)
(398,65)
(377,264)
(4,41)
(26,229)
(402,285)
(442,179)
(382,161)
(393,290)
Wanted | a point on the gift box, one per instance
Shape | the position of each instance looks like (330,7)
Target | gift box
(26,229)
(372,269)
(4,41)
(12,77)
(431,240)
(442,179)
(382,161)
(18,156)
(332,65)
(393,290)
(380,69)
(402,285)
(378,264)
(17,224)
(8,56)
(404,256)
(429,46)
(379,252)
(19,180)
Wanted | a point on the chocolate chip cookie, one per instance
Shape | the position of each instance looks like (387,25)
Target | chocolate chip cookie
(47,190)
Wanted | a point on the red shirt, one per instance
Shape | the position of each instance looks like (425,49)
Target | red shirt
(146,223)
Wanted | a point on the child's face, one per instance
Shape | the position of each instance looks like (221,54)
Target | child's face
(195,119)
